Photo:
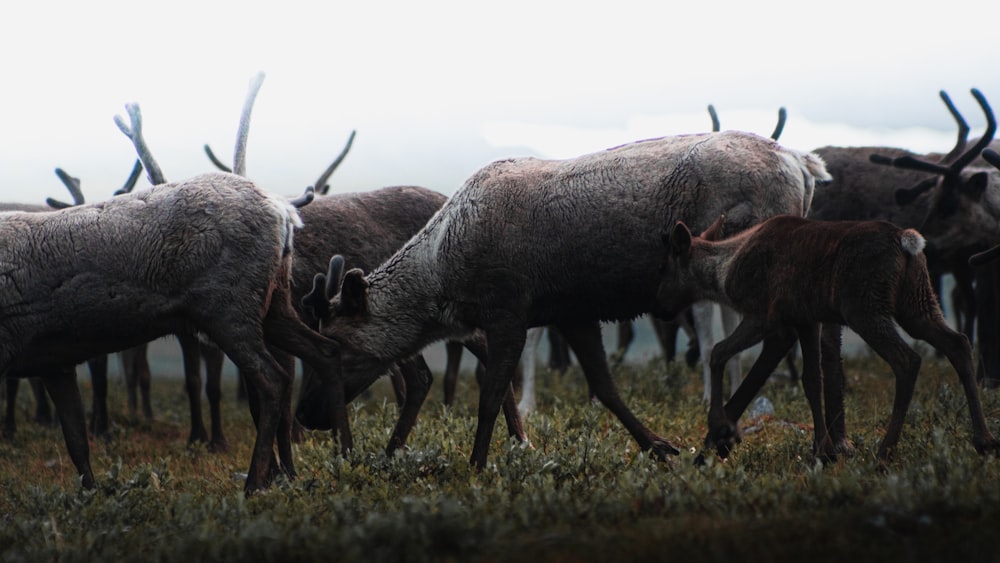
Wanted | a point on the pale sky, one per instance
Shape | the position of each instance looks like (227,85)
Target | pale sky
(438,89)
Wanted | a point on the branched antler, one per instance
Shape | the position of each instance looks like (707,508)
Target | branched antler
(950,171)
(135,134)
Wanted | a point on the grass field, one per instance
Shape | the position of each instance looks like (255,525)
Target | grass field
(582,492)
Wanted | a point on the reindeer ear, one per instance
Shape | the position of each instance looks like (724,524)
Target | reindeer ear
(976,185)
(354,293)
(678,241)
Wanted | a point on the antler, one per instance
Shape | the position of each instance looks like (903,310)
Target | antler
(321,184)
(239,155)
(73,185)
(135,134)
(963,128)
(304,199)
(782,116)
(215,160)
(949,171)
(715,118)
(133,177)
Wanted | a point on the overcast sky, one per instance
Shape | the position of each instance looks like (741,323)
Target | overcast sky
(438,89)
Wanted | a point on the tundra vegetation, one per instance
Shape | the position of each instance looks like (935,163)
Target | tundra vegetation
(583,492)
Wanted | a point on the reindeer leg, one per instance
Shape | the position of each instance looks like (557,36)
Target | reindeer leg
(62,387)
(956,347)
(880,334)
(723,432)
(191,353)
(214,359)
(506,341)
(453,362)
(284,330)
(586,342)
(833,387)
(515,426)
(418,379)
(99,402)
(528,364)
(812,384)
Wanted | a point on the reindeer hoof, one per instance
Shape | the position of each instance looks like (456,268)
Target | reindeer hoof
(987,446)
(723,437)
(661,449)
(844,448)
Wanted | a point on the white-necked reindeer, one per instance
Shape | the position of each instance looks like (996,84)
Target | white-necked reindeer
(787,276)
(529,242)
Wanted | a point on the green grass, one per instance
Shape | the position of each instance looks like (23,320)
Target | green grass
(582,492)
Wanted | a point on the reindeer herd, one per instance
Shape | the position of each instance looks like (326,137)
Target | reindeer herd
(356,285)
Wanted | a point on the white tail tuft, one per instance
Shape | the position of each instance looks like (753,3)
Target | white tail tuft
(912,241)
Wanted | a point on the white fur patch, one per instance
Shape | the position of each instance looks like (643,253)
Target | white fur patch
(912,241)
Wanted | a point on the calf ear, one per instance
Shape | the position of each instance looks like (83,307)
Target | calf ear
(354,293)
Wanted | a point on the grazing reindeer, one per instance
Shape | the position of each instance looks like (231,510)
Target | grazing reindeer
(786,276)
(516,247)
(366,228)
(212,254)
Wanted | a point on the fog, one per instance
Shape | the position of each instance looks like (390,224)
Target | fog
(438,89)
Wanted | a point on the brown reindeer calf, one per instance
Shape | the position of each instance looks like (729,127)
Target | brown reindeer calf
(788,275)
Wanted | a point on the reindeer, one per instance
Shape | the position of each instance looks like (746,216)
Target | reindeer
(959,220)
(788,275)
(98,366)
(212,254)
(366,228)
(505,254)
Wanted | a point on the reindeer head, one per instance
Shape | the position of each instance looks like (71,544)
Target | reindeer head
(956,202)
(681,275)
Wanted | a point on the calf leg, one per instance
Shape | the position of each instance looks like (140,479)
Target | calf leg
(586,342)
(723,432)
(956,347)
(831,337)
(880,334)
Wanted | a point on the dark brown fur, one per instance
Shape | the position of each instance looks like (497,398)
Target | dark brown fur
(788,275)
